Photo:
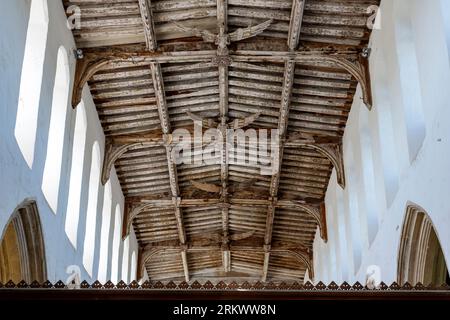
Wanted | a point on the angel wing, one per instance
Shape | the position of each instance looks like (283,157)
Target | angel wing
(242,236)
(205,34)
(208,187)
(212,236)
(302,136)
(245,33)
(242,123)
(206,122)
(242,185)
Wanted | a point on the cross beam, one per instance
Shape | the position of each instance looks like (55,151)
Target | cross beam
(293,41)
(329,147)
(223,63)
(136,206)
(158,84)
(303,255)
(96,60)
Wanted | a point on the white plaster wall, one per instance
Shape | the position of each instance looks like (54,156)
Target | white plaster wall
(18,181)
(398,177)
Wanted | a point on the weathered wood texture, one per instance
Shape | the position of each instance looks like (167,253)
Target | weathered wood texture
(291,65)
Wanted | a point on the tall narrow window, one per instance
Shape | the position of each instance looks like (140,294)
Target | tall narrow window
(358,232)
(91,213)
(133,270)
(116,246)
(126,259)
(31,80)
(409,78)
(53,161)
(76,175)
(369,195)
(445,11)
(344,236)
(105,234)
(383,135)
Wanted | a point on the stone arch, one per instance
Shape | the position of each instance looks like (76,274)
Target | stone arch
(22,249)
(420,258)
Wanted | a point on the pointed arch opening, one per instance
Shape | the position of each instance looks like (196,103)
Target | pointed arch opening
(116,245)
(421,259)
(105,234)
(76,175)
(53,162)
(22,250)
(92,210)
(31,80)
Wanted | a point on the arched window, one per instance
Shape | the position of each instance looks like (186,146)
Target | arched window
(333,230)
(22,251)
(384,138)
(126,259)
(344,234)
(420,256)
(368,175)
(358,231)
(31,80)
(133,270)
(76,175)
(409,78)
(116,245)
(105,234)
(445,11)
(53,161)
(91,213)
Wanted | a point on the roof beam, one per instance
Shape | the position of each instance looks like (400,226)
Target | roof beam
(137,206)
(145,7)
(158,83)
(298,7)
(283,121)
(275,180)
(117,146)
(95,60)
(223,63)
(300,253)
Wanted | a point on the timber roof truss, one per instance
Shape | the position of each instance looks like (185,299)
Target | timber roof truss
(157,66)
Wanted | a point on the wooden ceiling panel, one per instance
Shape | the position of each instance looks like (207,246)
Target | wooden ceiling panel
(154,66)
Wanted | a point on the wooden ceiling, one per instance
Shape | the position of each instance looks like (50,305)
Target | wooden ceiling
(155,66)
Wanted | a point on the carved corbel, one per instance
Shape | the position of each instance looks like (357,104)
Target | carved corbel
(358,68)
(319,214)
(112,153)
(335,154)
(305,258)
(143,257)
(85,69)
(118,146)
(132,210)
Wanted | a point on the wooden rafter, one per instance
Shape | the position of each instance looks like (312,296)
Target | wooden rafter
(137,206)
(119,145)
(95,60)
(293,41)
(212,76)
(158,84)
(223,63)
(145,7)
(298,252)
